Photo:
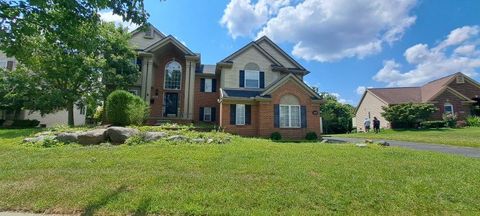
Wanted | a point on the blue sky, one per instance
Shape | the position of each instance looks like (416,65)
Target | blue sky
(347,45)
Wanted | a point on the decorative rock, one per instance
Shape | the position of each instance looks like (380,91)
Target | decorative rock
(361,145)
(209,140)
(93,137)
(37,139)
(154,136)
(383,143)
(118,135)
(368,141)
(67,137)
(198,140)
(177,138)
(324,141)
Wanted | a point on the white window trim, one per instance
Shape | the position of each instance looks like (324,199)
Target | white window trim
(165,77)
(460,79)
(211,85)
(205,114)
(238,116)
(289,107)
(245,79)
(450,105)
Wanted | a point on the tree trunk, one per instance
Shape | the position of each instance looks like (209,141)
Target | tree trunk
(70,110)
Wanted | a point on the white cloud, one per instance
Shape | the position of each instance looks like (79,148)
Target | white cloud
(323,30)
(108,16)
(457,52)
(242,17)
(361,89)
(340,99)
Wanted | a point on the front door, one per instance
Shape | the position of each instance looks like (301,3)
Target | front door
(171,104)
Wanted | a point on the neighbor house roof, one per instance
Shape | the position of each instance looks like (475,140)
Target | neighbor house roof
(421,94)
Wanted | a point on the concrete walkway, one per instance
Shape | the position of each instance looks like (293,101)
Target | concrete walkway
(466,151)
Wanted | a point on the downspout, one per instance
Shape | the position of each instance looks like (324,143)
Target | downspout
(146,83)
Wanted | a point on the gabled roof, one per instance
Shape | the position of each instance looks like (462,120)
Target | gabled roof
(174,41)
(245,48)
(148,25)
(272,87)
(422,94)
(276,47)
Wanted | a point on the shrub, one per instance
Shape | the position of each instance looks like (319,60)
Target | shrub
(1,122)
(25,123)
(450,119)
(98,115)
(433,124)
(276,136)
(311,136)
(124,108)
(135,140)
(407,115)
(472,121)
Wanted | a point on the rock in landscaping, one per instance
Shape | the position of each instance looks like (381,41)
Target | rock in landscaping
(37,139)
(209,141)
(118,135)
(368,141)
(177,138)
(361,145)
(67,137)
(154,136)
(198,140)
(93,137)
(383,143)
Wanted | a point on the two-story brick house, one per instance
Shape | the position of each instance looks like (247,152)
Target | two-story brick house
(255,91)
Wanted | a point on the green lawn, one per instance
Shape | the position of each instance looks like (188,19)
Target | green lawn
(469,136)
(247,176)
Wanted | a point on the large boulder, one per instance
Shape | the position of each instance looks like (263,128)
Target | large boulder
(118,135)
(67,137)
(154,136)
(93,137)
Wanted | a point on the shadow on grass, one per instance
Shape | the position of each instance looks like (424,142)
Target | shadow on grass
(428,129)
(16,133)
(95,206)
(143,207)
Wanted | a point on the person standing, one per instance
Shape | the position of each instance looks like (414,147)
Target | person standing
(366,124)
(376,125)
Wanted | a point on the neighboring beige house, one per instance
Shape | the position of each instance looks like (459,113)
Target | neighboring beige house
(456,93)
(49,120)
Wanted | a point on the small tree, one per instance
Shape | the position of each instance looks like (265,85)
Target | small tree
(408,115)
(124,108)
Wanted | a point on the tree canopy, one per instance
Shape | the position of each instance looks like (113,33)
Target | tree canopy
(336,117)
(407,115)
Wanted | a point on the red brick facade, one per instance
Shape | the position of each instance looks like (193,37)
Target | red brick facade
(460,107)
(206,99)
(262,115)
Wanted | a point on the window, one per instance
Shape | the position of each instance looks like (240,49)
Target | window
(240,114)
(173,75)
(448,108)
(252,79)
(207,114)
(149,33)
(82,110)
(290,116)
(460,79)
(208,85)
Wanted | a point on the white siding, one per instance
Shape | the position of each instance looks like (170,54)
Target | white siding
(139,41)
(370,104)
(277,55)
(230,76)
(57,118)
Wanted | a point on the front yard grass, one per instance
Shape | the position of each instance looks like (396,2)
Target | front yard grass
(246,176)
(469,136)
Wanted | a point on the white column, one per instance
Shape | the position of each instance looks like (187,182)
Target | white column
(189,90)
(149,80)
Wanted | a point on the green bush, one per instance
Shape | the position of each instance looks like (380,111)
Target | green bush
(276,136)
(25,123)
(1,122)
(407,115)
(433,124)
(124,108)
(311,136)
(473,121)
(450,119)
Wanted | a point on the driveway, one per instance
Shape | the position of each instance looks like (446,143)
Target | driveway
(466,151)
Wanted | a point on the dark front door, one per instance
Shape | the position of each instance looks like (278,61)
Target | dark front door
(171,104)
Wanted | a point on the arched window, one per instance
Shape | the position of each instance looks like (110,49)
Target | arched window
(173,75)
(447,108)
(252,75)
(290,115)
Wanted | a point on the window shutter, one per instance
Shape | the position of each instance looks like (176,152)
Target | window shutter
(9,65)
(304,116)
(241,83)
(214,85)
(248,114)
(262,79)
(202,85)
(214,114)
(276,116)
(201,114)
(233,113)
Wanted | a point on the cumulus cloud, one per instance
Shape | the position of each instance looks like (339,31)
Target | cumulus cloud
(361,89)
(323,30)
(457,52)
(108,16)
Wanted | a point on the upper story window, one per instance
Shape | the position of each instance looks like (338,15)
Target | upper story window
(208,85)
(460,79)
(173,75)
(252,79)
(448,108)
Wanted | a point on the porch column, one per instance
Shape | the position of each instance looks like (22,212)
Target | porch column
(147,77)
(188,105)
